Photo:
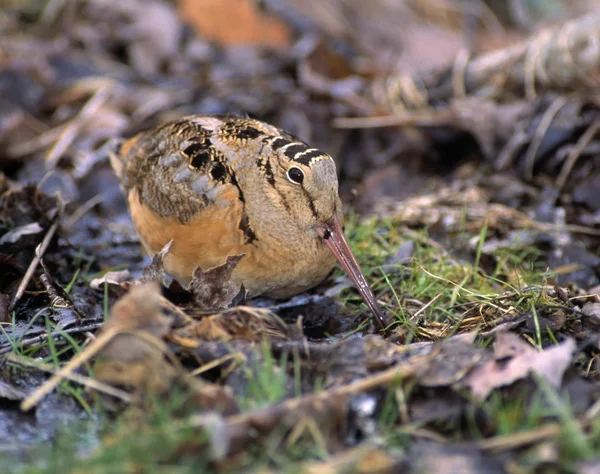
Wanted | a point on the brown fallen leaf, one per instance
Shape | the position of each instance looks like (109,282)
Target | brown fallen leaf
(137,356)
(132,334)
(450,360)
(156,270)
(213,288)
(591,314)
(242,322)
(514,359)
(11,392)
(235,22)
(115,278)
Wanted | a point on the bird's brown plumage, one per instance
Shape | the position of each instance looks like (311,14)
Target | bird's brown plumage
(221,186)
(218,187)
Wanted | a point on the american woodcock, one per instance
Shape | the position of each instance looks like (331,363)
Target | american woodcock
(221,186)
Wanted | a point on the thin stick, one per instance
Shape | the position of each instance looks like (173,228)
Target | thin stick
(425,306)
(384,377)
(39,253)
(576,152)
(55,335)
(66,370)
(83,210)
(540,132)
(80,379)
(517,440)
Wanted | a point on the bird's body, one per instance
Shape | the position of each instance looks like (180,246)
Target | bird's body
(222,186)
(208,184)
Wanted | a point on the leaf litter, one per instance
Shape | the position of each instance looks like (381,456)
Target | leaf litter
(480,172)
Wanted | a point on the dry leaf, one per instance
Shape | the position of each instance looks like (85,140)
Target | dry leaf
(241,322)
(515,360)
(156,270)
(11,392)
(235,22)
(135,355)
(110,278)
(450,360)
(213,288)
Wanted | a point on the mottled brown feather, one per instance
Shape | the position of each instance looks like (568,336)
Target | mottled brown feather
(217,186)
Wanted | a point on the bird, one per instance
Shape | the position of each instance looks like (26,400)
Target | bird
(217,186)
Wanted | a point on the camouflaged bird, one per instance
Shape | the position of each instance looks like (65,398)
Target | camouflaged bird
(221,186)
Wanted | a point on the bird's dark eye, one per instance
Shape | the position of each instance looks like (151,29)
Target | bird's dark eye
(295,175)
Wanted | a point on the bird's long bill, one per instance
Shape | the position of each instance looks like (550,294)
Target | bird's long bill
(333,235)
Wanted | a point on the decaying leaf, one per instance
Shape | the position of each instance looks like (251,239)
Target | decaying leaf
(515,359)
(213,19)
(213,288)
(137,356)
(115,278)
(156,270)
(591,314)
(14,235)
(11,392)
(240,322)
(450,360)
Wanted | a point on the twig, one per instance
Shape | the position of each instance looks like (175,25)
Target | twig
(56,335)
(575,153)
(267,418)
(69,133)
(83,210)
(66,370)
(517,440)
(39,253)
(80,379)
(424,307)
(540,132)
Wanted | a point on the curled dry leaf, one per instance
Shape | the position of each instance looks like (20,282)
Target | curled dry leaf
(111,278)
(11,392)
(213,288)
(241,322)
(135,354)
(450,360)
(591,314)
(514,359)
(156,270)
(14,235)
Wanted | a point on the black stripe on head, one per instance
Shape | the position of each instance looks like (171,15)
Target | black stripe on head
(279,142)
(295,149)
(306,157)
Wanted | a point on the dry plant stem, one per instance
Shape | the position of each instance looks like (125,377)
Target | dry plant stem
(69,133)
(296,406)
(429,118)
(75,362)
(561,58)
(83,210)
(55,335)
(80,379)
(39,253)
(540,132)
(513,441)
(425,306)
(575,153)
